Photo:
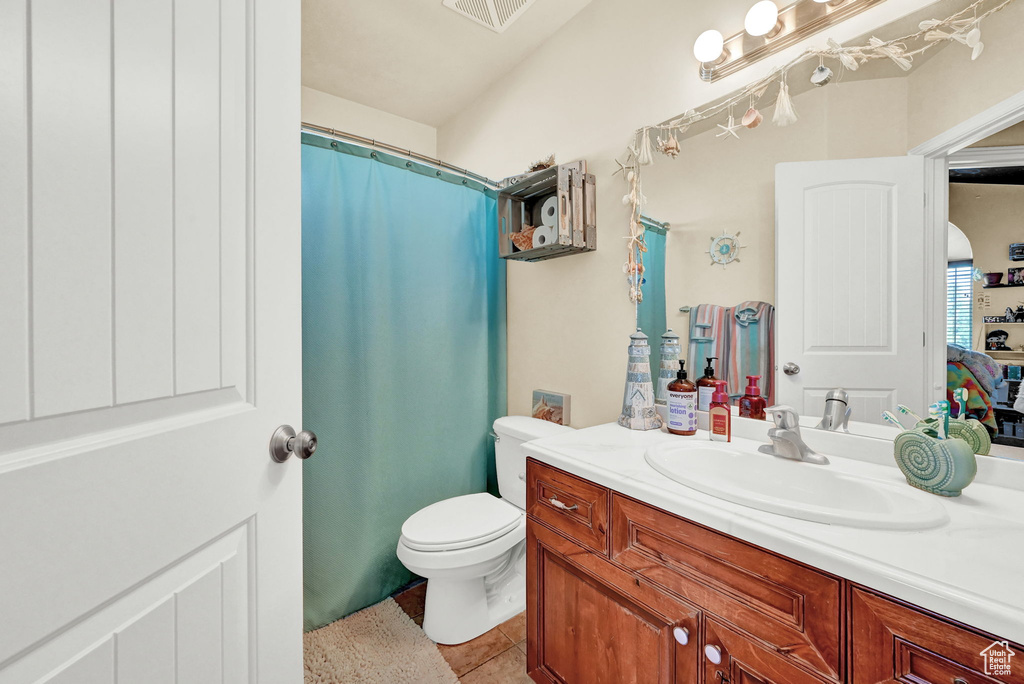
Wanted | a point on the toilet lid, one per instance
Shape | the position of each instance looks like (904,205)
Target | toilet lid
(460,522)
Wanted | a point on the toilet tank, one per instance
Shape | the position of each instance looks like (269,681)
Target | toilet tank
(509,457)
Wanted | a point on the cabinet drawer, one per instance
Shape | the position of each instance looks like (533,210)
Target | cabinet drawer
(891,642)
(731,657)
(590,622)
(575,507)
(791,607)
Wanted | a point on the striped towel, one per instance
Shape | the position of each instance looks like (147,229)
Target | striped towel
(709,336)
(751,351)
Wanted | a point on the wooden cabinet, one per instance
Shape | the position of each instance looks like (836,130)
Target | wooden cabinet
(573,506)
(589,621)
(790,606)
(732,658)
(892,642)
(619,591)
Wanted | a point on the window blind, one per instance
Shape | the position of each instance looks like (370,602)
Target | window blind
(959,302)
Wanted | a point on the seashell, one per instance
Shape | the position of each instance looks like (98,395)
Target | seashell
(973,37)
(752,119)
(821,76)
(970,430)
(524,238)
(938,466)
(976,52)
(627,200)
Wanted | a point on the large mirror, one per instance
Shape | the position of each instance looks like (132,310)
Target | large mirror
(886,231)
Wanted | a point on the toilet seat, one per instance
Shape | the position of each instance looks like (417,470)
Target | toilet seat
(460,522)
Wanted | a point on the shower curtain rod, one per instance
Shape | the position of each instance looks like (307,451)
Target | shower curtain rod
(370,143)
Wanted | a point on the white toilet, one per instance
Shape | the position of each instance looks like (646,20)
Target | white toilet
(472,548)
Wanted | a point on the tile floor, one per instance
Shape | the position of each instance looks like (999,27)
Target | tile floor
(497,657)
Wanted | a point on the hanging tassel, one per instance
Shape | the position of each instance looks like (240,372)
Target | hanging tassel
(645,156)
(785,113)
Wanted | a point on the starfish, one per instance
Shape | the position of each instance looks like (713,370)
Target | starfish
(729,128)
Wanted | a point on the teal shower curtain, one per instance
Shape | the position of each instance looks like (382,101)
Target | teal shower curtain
(403,340)
(651,314)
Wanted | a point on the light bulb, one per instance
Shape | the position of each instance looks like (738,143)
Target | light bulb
(708,46)
(761,18)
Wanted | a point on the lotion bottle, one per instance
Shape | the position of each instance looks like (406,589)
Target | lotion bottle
(706,386)
(720,414)
(682,404)
(752,404)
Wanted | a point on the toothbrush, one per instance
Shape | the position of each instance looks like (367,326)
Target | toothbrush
(960,396)
(889,416)
(944,408)
(935,413)
(906,411)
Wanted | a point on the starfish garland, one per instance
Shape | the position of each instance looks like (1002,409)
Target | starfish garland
(729,128)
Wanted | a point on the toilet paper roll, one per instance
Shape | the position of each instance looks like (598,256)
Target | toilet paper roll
(546,213)
(544,236)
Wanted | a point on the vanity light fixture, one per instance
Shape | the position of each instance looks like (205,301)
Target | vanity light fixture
(768,30)
(763,20)
(710,51)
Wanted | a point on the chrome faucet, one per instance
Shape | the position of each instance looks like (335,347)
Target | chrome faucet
(837,411)
(786,439)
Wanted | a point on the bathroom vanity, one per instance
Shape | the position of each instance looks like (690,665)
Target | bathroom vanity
(635,578)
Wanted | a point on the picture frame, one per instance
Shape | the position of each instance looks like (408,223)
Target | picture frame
(551,406)
(1015,276)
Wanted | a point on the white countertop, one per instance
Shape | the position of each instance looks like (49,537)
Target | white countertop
(971,569)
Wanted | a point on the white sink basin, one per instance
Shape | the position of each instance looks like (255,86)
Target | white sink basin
(798,490)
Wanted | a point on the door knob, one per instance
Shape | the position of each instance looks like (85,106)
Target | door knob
(791,368)
(284,442)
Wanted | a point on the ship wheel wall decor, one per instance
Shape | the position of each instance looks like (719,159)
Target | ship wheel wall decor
(725,249)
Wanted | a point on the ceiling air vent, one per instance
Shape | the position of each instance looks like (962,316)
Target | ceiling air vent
(496,15)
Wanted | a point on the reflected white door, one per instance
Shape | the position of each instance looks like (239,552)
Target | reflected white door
(149,341)
(850,283)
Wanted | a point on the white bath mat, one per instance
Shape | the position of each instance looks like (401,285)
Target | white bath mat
(377,645)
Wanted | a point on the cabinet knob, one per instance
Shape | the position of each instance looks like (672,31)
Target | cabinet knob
(682,635)
(714,654)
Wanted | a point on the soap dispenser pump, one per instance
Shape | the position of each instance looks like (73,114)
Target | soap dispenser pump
(682,404)
(706,385)
(720,414)
(752,404)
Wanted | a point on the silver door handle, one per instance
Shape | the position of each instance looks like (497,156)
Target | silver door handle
(791,368)
(558,504)
(284,442)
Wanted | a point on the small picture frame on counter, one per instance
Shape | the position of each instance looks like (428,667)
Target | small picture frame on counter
(551,406)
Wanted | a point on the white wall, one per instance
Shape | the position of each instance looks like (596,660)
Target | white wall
(569,318)
(324,109)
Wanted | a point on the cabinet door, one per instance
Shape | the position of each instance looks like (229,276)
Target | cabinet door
(733,658)
(590,622)
(794,608)
(891,642)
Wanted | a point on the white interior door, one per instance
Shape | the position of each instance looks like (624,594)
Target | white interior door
(149,341)
(850,283)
